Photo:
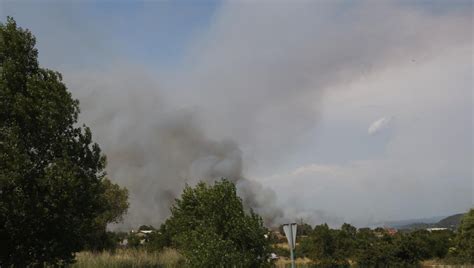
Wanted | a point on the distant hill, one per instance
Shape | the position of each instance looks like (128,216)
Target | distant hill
(402,223)
(451,222)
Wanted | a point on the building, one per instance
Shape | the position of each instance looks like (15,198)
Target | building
(436,229)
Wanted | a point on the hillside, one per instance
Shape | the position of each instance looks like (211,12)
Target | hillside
(399,224)
(450,222)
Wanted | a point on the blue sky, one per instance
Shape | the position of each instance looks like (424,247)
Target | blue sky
(87,33)
(366,104)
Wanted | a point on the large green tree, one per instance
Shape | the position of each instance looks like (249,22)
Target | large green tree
(465,238)
(209,225)
(54,196)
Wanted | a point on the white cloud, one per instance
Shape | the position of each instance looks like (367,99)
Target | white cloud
(379,125)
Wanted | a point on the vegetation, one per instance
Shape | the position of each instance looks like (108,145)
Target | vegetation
(129,258)
(322,246)
(54,196)
(209,226)
(327,246)
(379,247)
(464,250)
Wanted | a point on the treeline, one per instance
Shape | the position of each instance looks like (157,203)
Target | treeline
(325,247)
(208,226)
(383,247)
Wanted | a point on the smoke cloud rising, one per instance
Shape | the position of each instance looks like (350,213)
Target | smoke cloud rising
(252,87)
(154,150)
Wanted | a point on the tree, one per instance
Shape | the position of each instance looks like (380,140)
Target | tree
(373,251)
(465,238)
(303,229)
(325,246)
(159,239)
(345,240)
(210,227)
(379,249)
(434,244)
(114,205)
(408,250)
(349,230)
(54,194)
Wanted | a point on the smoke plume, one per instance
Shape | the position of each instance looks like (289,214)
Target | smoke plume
(251,90)
(154,150)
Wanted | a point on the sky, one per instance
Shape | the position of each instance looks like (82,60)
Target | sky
(331,111)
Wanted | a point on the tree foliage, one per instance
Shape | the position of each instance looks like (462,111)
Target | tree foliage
(327,246)
(373,248)
(209,225)
(54,195)
(464,250)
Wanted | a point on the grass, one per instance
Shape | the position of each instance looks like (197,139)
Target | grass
(286,262)
(171,258)
(129,258)
(444,263)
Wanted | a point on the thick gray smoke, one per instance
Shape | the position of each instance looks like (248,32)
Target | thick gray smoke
(251,88)
(260,74)
(154,150)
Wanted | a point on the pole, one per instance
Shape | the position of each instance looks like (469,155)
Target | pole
(292,247)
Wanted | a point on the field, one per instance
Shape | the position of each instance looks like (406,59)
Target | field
(171,258)
(129,258)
